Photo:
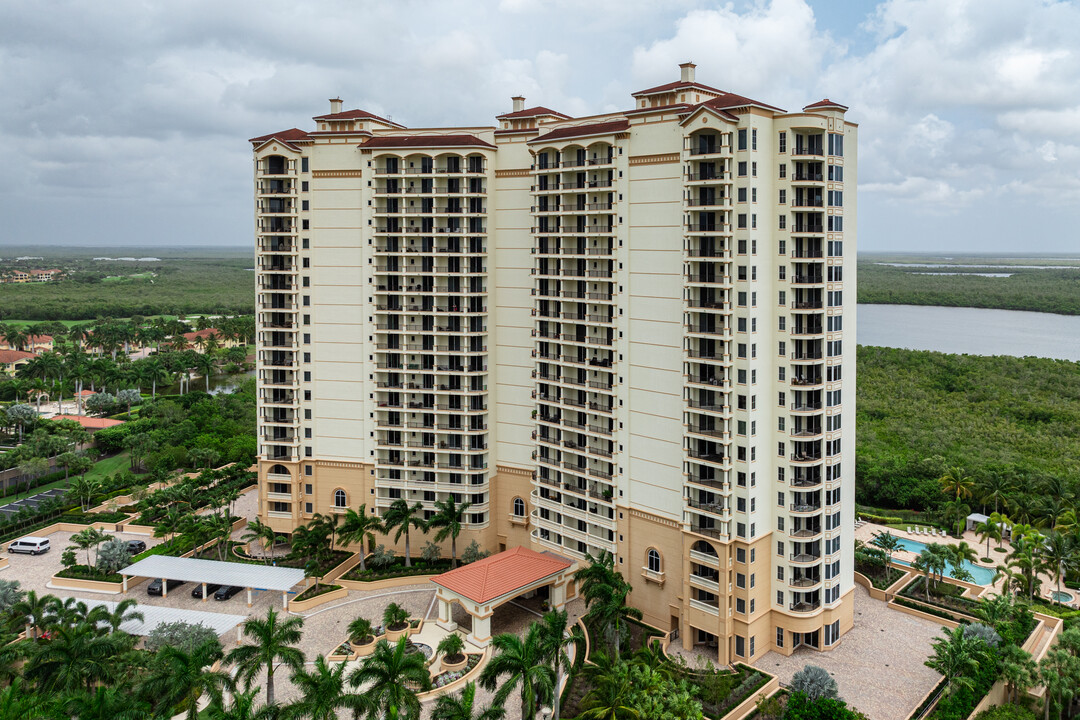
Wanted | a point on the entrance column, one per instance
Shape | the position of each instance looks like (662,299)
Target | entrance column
(285,599)
(481,629)
(558,596)
(125,584)
(164,588)
(446,615)
(249,597)
(204,592)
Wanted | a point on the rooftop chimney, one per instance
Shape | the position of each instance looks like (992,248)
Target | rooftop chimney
(335,105)
(687,72)
(519,103)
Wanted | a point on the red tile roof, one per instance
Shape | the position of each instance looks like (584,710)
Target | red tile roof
(604,128)
(730,100)
(501,574)
(90,423)
(9,356)
(285,136)
(824,104)
(355,115)
(673,86)
(208,332)
(530,112)
(425,141)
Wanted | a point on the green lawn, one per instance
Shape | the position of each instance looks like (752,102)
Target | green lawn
(110,466)
(71,323)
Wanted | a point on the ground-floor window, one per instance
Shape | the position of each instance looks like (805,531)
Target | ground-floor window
(832,633)
(779,637)
(740,646)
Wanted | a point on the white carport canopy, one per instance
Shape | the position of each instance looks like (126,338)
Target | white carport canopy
(214,572)
(154,615)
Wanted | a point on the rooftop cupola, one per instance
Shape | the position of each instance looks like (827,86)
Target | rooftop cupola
(686,74)
(519,103)
(335,105)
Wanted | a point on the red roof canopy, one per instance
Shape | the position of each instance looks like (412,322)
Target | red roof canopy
(285,136)
(604,128)
(824,104)
(501,574)
(673,86)
(530,112)
(10,356)
(90,423)
(354,115)
(425,141)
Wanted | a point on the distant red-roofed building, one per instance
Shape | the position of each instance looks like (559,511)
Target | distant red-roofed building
(12,360)
(91,424)
(36,344)
(197,340)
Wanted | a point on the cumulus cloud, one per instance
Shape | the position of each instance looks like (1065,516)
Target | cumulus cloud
(131,110)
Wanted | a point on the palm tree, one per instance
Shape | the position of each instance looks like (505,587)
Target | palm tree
(956,656)
(76,658)
(959,553)
(448,518)
(956,484)
(273,642)
(322,693)
(556,640)
(205,365)
(613,614)
(178,679)
(361,631)
(922,564)
(609,697)
(1018,670)
(1059,554)
(463,707)
(35,609)
(359,527)
(400,517)
(598,578)
(257,530)
(391,677)
(18,702)
(889,544)
(988,530)
(243,708)
(121,614)
(522,660)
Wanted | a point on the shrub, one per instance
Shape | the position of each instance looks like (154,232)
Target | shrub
(983,632)
(381,557)
(431,552)
(395,617)
(452,648)
(113,556)
(472,553)
(181,635)
(814,682)
(1006,712)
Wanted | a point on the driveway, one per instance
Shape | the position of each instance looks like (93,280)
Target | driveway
(35,571)
(878,665)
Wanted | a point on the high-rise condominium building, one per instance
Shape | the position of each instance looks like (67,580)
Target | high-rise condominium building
(613,333)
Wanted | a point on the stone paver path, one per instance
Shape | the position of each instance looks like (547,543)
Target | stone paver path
(878,665)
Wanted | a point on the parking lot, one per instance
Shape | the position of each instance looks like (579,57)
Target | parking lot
(35,571)
(31,502)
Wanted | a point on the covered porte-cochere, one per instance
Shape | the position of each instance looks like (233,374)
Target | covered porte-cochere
(484,585)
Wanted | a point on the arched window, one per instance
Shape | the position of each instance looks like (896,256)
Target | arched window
(339,499)
(654,560)
(703,547)
(278,470)
(519,507)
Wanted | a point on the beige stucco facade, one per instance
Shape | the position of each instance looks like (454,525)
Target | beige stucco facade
(615,333)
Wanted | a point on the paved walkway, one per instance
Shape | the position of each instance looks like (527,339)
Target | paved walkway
(878,665)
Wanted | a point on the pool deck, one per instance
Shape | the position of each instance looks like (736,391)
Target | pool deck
(867,530)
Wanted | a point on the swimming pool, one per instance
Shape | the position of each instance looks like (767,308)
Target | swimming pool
(980,575)
(1062,597)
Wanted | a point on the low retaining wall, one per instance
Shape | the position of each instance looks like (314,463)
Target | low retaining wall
(387,584)
(861,579)
(944,622)
(460,682)
(297,606)
(749,705)
(98,586)
(335,574)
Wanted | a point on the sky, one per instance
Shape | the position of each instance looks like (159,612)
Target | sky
(126,122)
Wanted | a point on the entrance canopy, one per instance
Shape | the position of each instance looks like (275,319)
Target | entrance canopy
(482,586)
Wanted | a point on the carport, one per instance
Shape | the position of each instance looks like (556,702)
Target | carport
(214,572)
(154,615)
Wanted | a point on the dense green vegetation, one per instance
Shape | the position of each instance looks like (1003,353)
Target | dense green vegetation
(181,282)
(1053,291)
(1011,420)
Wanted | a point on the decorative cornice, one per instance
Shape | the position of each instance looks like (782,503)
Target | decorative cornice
(512,470)
(524,172)
(661,159)
(336,173)
(634,512)
(341,464)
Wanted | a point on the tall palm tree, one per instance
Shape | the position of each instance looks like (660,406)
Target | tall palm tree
(390,678)
(323,693)
(995,488)
(448,518)
(243,707)
(75,658)
(463,707)
(613,614)
(956,656)
(1059,554)
(257,530)
(1018,670)
(399,518)
(988,530)
(557,638)
(888,543)
(272,645)
(18,702)
(359,528)
(177,678)
(521,660)
(609,697)
(35,609)
(956,484)
(598,578)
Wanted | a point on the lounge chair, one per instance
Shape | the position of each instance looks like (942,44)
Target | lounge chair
(908,529)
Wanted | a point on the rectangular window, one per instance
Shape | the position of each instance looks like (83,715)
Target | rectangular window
(740,555)
(304,205)
(740,580)
(742,140)
(783,142)
(740,606)
(783,222)
(783,170)
(742,221)
(742,169)
(303,164)
(740,529)
(780,598)
(780,547)
(752,638)
(753,221)
(740,641)
(753,169)
(741,194)
(753,139)
(783,276)
(783,197)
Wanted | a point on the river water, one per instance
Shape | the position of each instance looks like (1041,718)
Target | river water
(974,331)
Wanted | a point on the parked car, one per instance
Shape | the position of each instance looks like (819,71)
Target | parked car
(210,589)
(154,588)
(135,547)
(227,591)
(30,545)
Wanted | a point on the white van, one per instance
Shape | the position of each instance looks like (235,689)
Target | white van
(30,545)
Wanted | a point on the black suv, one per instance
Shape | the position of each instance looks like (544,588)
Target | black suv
(135,547)
(154,588)
(227,591)
(210,590)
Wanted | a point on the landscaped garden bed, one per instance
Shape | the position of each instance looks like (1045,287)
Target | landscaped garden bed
(943,595)
(445,678)
(314,592)
(82,572)
(79,518)
(397,569)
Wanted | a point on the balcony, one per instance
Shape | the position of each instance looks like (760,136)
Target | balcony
(804,607)
(704,607)
(804,558)
(804,509)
